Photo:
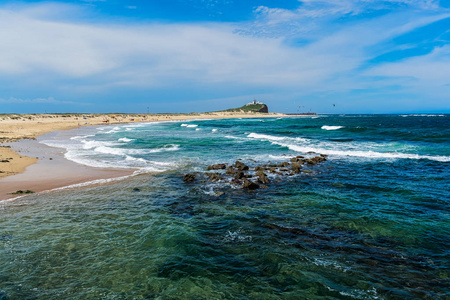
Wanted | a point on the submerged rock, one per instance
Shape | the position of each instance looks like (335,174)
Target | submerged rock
(189,177)
(284,164)
(239,175)
(213,177)
(296,167)
(216,167)
(231,171)
(262,177)
(250,185)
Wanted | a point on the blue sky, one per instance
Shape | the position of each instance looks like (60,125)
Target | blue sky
(330,56)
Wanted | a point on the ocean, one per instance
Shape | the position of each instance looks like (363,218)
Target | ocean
(370,222)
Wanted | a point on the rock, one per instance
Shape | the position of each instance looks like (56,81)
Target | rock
(189,177)
(296,168)
(262,177)
(324,155)
(297,159)
(4,161)
(263,109)
(236,181)
(273,170)
(231,171)
(262,186)
(20,192)
(239,175)
(136,190)
(219,193)
(260,169)
(284,164)
(213,177)
(250,185)
(241,166)
(216,167)
(311,162)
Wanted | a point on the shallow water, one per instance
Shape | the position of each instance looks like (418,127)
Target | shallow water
(371,222)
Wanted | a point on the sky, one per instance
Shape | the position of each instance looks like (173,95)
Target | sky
(139,56)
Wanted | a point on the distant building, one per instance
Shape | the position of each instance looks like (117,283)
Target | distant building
(253,102)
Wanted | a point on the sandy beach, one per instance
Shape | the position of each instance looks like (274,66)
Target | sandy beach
(25,164)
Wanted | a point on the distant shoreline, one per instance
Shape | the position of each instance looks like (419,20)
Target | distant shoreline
(17,157)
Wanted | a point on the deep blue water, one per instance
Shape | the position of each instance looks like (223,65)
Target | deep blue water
(371,222)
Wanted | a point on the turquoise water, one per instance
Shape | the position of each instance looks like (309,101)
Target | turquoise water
(372,222)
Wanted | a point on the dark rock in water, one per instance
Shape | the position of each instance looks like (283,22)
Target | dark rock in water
(231,171)
(311,162)
(324,155)
(189,177)
(213,177)
(241,166)
(3,295)
(260,169)
(296,168)
(297,159)
(262,186)
(262,177)
(219,193)
(239,175)
(284,164)
(136,190)
(315,160)
(250,185)
(216,167)
(236,181)
(181,208)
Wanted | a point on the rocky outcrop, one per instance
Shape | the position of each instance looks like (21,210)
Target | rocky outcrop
(263,109)
(189,177)
(239,173)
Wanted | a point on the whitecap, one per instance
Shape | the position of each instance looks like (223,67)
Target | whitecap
(326,127)
(192,126)
(125,140)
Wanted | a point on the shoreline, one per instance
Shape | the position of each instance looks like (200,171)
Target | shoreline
(25,164)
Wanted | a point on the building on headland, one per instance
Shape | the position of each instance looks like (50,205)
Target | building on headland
(254,102)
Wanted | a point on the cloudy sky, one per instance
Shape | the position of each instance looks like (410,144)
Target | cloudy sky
(328,56)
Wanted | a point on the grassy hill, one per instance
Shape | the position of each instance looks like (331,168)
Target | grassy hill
(251,108)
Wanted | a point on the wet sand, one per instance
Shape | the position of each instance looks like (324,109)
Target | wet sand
(51,171)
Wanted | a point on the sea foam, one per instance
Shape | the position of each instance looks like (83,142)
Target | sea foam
(326,127)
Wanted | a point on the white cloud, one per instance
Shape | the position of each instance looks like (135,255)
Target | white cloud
(101,57)
(427,72)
